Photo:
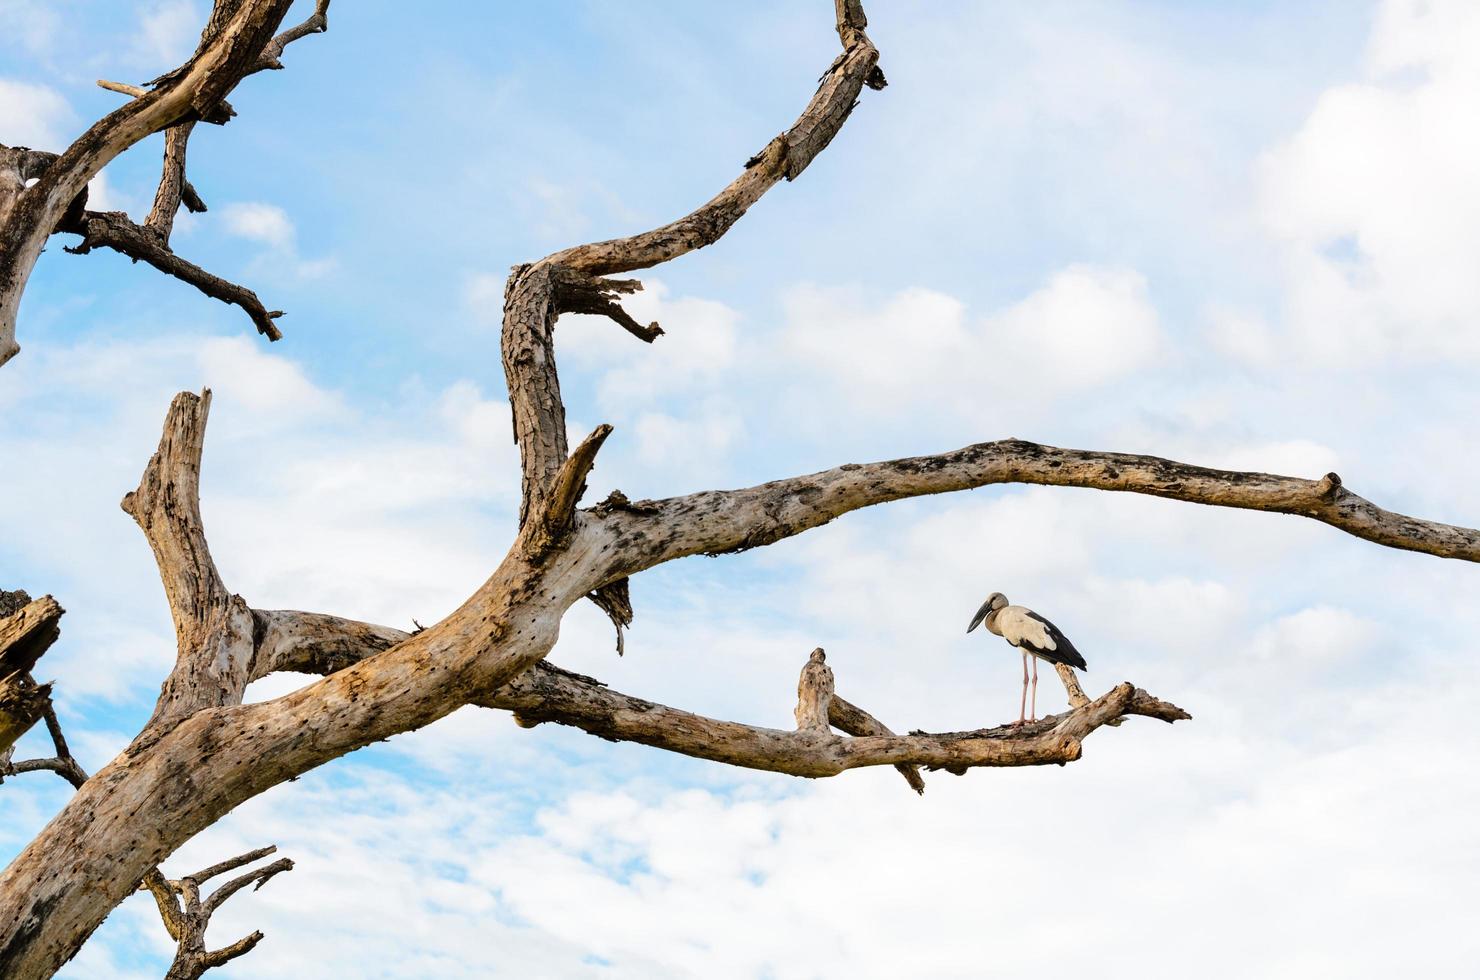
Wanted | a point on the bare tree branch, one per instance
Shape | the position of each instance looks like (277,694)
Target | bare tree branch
(313,643)
(848,717)
(192,92)
(174,189)
(214,629)
(786,157)
(25,634)
(548,695)
(113,229)
(569,281)
(317,23)
(564,282)
(716,522)
(814,693)
(187,916)
(554,523)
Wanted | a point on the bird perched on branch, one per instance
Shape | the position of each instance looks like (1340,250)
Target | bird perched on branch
(1030,633)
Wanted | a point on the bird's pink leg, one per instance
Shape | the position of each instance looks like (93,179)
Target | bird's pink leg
(1034,715)
(1023,705)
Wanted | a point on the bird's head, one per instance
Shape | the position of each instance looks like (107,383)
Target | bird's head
(994,602)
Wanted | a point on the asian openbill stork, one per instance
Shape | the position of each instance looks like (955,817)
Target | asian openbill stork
(1030,633)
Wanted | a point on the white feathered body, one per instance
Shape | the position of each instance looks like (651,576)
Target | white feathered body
(1027,630)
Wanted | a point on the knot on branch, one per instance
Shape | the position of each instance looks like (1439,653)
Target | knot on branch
(1328,487)
(576,292)
(619,502)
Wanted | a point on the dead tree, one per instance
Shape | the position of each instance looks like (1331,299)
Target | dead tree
(203,751)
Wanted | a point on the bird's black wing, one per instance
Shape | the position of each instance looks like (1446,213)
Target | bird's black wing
(1063,652)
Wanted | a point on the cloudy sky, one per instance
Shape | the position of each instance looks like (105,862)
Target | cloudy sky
(1234,234)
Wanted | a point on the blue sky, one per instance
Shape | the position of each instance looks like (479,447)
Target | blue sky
(1234,234)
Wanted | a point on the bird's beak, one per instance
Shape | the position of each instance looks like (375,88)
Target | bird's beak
(981,614)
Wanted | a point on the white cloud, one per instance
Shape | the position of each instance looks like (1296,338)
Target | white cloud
(1298,457)
(32,115)
(269,225)
(663,439)
(1321,636)
(167,33)
(1086,326)
(1242,338)
(483,294)
(697,350)
(33,25)
(1375,201)
(266,224)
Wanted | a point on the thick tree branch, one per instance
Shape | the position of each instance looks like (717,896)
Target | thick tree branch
(185,926)
(215,631)
(174,189)
(25,634)
(548,695)
(312,643)
(570,281)
(725,521)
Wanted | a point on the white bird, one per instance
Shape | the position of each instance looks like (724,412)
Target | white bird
(1030,633)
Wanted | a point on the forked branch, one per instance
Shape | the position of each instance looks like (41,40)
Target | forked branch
(186,915)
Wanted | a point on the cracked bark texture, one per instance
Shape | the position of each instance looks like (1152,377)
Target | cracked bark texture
(203,751)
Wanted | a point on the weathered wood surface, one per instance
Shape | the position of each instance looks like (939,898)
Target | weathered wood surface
(27,629)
